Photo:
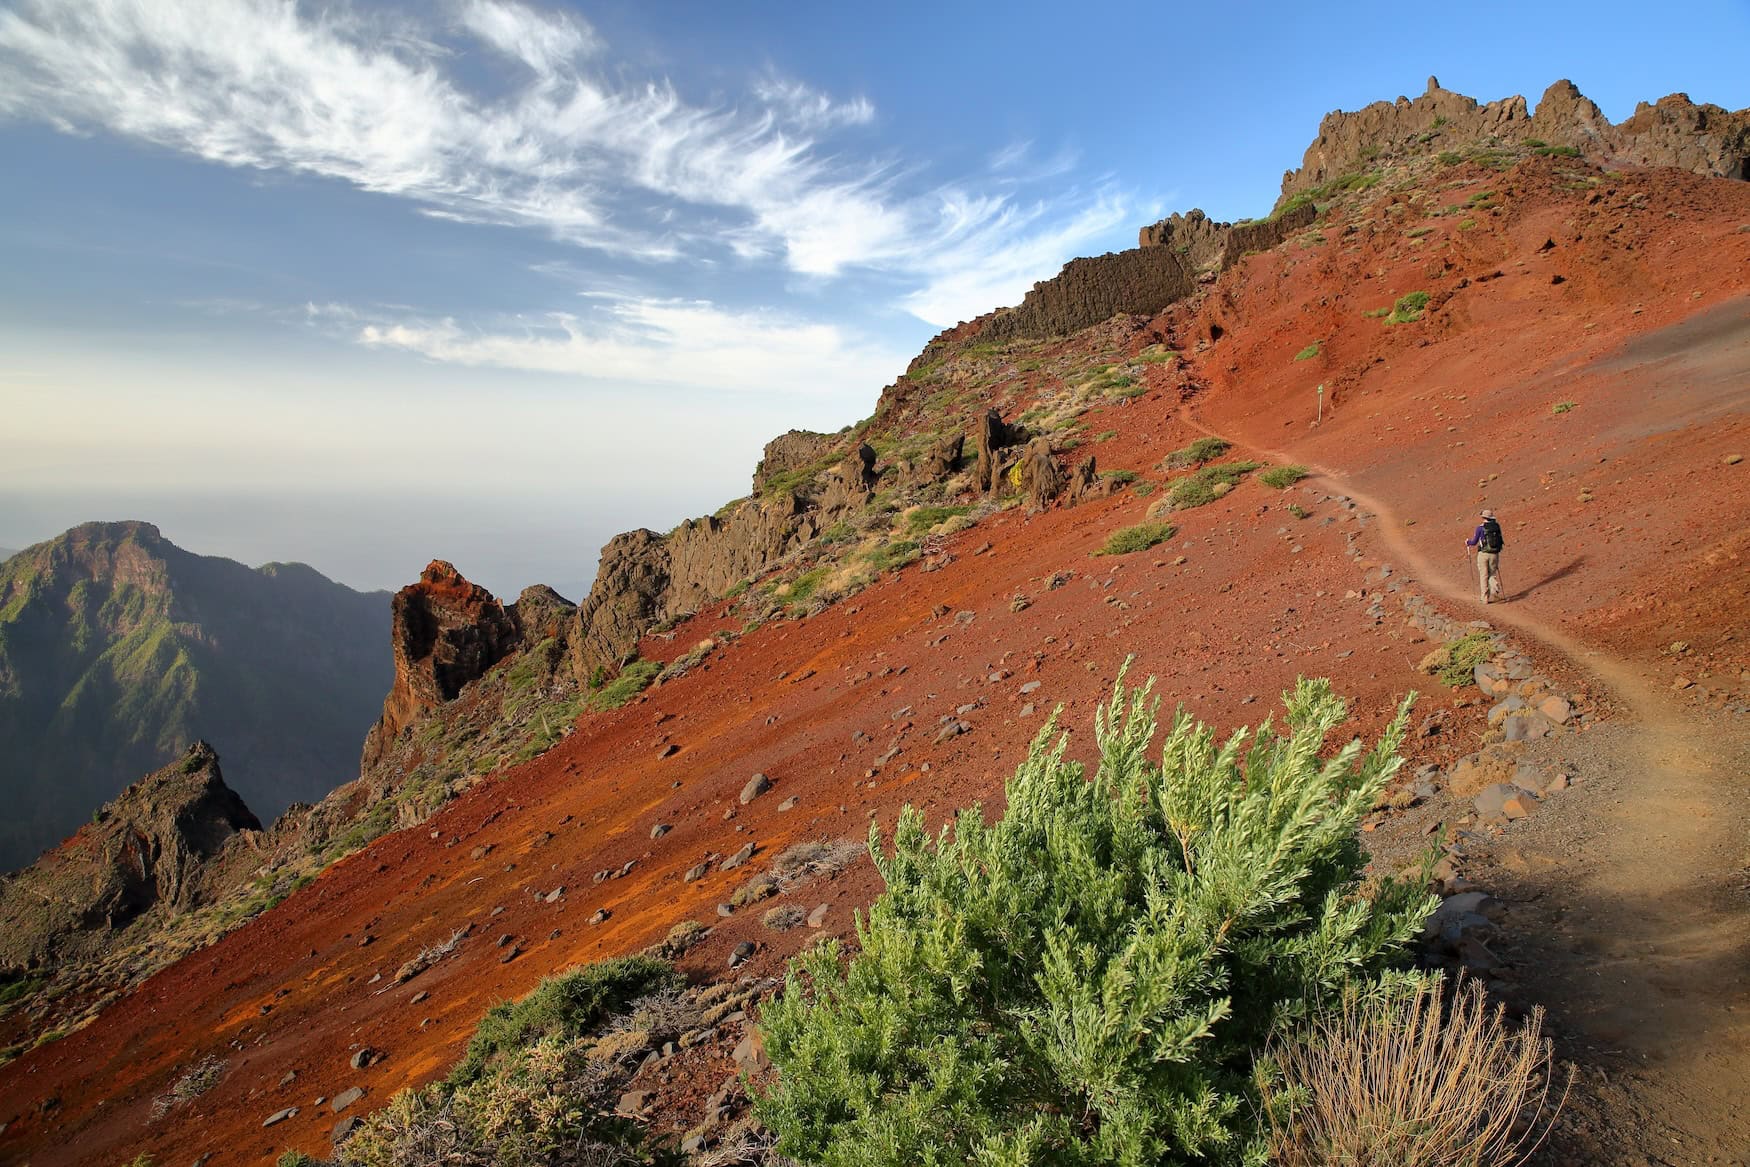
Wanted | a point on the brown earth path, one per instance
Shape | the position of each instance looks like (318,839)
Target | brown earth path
(1654,910)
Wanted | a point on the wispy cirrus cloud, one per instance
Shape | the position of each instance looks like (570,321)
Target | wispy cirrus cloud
(547,135)
(633,341)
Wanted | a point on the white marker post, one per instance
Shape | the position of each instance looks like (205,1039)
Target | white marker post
(1321,393)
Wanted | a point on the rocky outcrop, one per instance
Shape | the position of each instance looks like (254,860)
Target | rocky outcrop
(791,451)
(445,632)
(852,482)
(1674,132)
(1194,235)
(542,613)
(1263,234)
(990,435)
(1141,281)
(1041,478)
(937,463)
(147,852)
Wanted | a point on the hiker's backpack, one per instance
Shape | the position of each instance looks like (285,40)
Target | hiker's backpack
(1491,541)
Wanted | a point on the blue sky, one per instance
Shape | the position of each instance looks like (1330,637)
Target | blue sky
(364,284)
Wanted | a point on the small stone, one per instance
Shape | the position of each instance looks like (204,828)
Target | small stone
(280,1116)
(1683,683)
(725,909)
(742,952)
(756,786)
(601,916)
(740,857)
(552,897)
(479,852)
(511,954)
(1556,709)
(343,1130)
(504,940)
(632,1103)
(362,1057)
(345,1099)
(818,916)
(419,996)
(1732,459)
(1030,687)
(697,871)
(668,751)
(290,1077)
(750,1053)
(788,804)
(659,830)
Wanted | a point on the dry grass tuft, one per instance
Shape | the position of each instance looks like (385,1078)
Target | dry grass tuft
(1394,1080)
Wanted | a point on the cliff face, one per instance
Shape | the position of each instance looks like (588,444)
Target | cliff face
(145,854)
(1087,291)
(1675,132)
(444,633)
(117,647)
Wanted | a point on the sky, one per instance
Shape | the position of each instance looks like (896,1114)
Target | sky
(366,284)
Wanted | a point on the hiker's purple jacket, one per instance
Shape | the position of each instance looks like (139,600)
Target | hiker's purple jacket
(1476,539)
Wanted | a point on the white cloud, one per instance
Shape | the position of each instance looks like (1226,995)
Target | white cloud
(562,144)
(645,342)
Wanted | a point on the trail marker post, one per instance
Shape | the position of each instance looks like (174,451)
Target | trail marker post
(1321,392)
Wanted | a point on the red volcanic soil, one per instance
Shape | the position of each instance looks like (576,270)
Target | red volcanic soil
(1646,334)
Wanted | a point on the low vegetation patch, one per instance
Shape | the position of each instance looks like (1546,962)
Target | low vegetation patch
(1563,406)
(1097,975)
(1119,477)
(633,680)
(1410,306)
(1138,538)
(531,1089)
(1283,477)
(1309,352)
(1463,656)
(1208,484)
(1198,452)
(921,519)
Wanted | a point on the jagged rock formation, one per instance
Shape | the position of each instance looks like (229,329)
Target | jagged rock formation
(1673,132)
(990,435)
(1263,234)
(147,853)
(445,632)
(1194,235)
(1087,291)
(117,648)
(791,451)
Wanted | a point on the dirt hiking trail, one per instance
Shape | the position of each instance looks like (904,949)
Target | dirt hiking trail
(1629,911)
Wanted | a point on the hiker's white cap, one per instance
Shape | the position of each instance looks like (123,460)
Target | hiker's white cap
(1487,513)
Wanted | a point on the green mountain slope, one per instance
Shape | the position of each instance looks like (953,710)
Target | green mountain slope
(118,648)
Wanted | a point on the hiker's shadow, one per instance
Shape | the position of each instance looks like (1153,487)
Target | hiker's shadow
(1562,572)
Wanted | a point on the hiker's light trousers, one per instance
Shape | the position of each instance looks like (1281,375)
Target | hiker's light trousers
(1489,574)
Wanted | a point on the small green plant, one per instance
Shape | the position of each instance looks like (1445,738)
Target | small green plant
(1309,352)
(1557,152)
(1138,538)
(1155,355)
(633,680)
(891,555)
(295,1159)
(1283,477)
(1119,477)
(1450,157)
(923,518)
(1376,313)
(1105,435)
(1463,656)
(1208,484)
(565,1005)
(1562,406)
(1467,224)
(1143,488)
(1198,452)
(1410,306)
(1418,232)
(1297,510)
(1096,976)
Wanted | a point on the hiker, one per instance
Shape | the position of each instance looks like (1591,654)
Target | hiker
(1487,542)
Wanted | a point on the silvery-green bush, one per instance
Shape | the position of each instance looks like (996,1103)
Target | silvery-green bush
(1093,978)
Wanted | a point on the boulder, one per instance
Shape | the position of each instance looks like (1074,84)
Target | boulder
(756,786)
(346,1098)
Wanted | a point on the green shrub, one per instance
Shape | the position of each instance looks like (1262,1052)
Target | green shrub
(1410,306)
(1198,452)
(1450,157)
(1418,232)
(803,587)
(1297,510)
(891,555)
(1093,977)
(1309,352)
(566,1005)
(1376,313)
(1283,477)
(633,680)
(1208,484)
(1120,477)
(1463,656)
(1144,488)
(1138,538)
(1557,151)
(1157,356)
(1562,406)
(921,520)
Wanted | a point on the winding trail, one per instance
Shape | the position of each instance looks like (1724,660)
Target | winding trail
(1637,936)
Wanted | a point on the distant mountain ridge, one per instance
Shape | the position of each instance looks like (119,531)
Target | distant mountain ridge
(118,648)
